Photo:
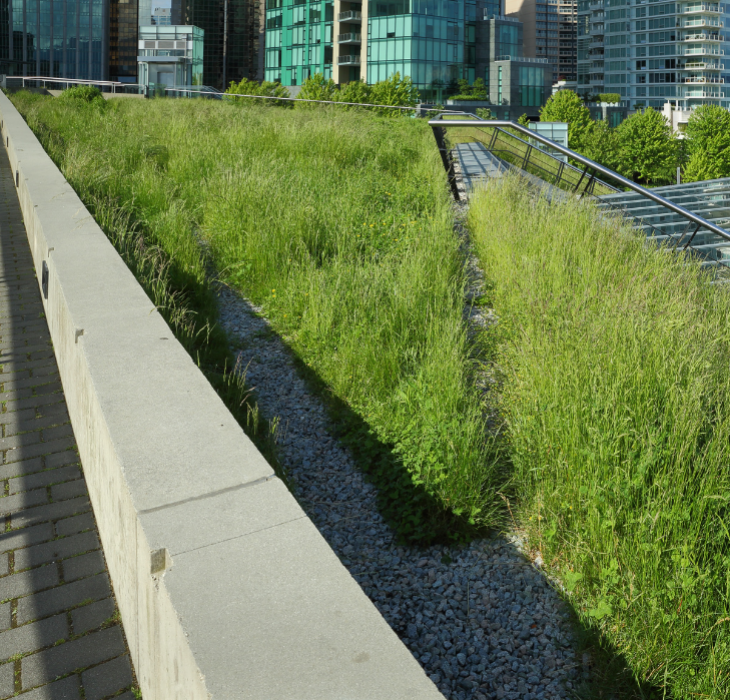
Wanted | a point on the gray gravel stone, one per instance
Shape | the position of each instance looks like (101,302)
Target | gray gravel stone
(471,622)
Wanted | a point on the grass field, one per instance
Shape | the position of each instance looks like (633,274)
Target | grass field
(339,225)
(616,394)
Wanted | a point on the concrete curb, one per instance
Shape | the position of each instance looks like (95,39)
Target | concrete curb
(225,587)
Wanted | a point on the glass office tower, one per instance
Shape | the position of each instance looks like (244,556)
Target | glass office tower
(654,52)
(55,38)
(432,41)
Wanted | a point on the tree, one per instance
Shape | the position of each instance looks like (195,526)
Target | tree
(265,89)
(602,144)
(566,106)
(523,120)
(354,91)
(315,87)
(648,148)
(708,144)
(395,91)
(479,89)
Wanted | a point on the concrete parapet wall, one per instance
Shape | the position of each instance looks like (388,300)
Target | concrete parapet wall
(225,587)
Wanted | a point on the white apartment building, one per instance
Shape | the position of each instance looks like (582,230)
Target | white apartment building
(655,52)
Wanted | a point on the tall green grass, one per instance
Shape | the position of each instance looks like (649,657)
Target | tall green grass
(615,370)
(339,225)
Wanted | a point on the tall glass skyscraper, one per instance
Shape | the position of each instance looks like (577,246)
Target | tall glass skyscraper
(55,38)
(432,41)
(653,52)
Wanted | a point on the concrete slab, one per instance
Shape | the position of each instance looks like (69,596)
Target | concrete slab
(308,629)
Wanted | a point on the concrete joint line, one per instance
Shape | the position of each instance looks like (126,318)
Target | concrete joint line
(210,494)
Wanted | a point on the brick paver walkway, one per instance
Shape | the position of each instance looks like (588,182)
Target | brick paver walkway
(60,634)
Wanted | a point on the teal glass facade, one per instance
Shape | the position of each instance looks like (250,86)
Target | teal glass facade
(298,41)
(431,41)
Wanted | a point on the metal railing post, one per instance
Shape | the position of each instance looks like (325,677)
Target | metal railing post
(438,134)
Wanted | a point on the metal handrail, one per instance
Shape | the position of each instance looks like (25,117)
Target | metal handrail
(439,124)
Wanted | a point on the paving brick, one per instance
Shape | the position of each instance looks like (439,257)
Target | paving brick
(83,566)
(27,582)
(18,403)
(53,511)
(61,598)
(44,478)
(4,565)
(18,383)
(22,501)
(78,523)
(55,550)
(25,537)
(124,696)
(65,658)
(5,617)
(70,489)
(109,678)
(7,680)
(58,432)
(19,441)
(66,689)
(37,423)
(27,466)
(61,459)
(91,616)
(40,448)
(33,637)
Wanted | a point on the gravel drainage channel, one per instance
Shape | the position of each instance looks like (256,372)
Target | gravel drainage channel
(481,618)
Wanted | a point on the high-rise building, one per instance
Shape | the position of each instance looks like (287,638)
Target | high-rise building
(99,39)
(550,32)
(515,83)
(653,52)
(55,38)
(432,41)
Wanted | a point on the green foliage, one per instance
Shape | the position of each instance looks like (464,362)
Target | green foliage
(339,225)
(648,148)
(149,234)
(397,92)
(83,93)
(566,106)
(612,98)
(315,87)
(708,142)
(355,91)
(612,361)
(523,120)
(477,91)
(264,89)
(484,113)
(603,145)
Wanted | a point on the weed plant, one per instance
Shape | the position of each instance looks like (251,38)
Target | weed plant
(613,359)
(339,225)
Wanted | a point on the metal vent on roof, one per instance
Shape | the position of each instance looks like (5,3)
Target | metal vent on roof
(150,44)
(165,44)
(180,44)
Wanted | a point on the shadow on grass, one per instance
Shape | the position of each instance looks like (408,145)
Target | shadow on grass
(426,531)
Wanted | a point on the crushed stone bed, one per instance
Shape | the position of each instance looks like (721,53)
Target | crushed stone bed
(486,624)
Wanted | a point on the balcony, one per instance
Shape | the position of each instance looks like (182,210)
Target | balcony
(596,80)
(701,65)
(349,60)
(597,5)
(349,38)
(701,79)
(701,7)
(350,16)
(700,22)
(701,37)
(596,43)
(702,51)
(703,93)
